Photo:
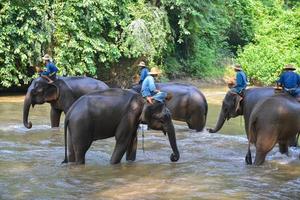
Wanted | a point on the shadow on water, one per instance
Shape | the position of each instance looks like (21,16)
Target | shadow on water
(211,165)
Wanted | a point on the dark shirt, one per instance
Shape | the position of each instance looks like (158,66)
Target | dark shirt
(51,69)
(289,80)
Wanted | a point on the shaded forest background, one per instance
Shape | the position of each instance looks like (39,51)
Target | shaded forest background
(106,39)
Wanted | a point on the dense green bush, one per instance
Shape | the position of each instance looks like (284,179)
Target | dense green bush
(106,39)
(277,41)
(84,37)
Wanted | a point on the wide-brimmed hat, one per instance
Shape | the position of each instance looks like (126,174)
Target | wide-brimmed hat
(46,57)
(237,67)
(141,64)
(155,71)
(289,67)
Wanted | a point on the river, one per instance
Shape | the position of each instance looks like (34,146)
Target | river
(211,166)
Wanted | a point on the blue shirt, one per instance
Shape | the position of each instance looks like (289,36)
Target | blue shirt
(241,80)
(148,86)
(289,80)
(51,69)
(144,74)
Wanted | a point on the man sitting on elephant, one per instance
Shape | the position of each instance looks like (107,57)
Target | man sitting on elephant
(290,81)
(241,80)
(51,69)
(149,90)
(144,71)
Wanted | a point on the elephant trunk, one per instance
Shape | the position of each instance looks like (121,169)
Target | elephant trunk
(219,124)
(26,107)
(172,139)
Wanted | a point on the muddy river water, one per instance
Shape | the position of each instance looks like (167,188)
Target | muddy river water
(211,166)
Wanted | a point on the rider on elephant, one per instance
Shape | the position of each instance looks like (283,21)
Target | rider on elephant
(149,90)
(51,69)
(144,71)
(241,80)
(290,81)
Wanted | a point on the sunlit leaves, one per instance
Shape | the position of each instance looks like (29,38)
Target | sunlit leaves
(276,43)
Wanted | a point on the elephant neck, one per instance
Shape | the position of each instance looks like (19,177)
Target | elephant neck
(65,98)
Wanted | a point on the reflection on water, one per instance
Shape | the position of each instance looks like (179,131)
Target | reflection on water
(211,165)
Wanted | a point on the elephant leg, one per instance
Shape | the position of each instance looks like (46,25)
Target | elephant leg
(55,117)
(131,150)
(123,137)
(196,122)
(80,151)
(266,140)
(283,148)
(71,156)
(293,142)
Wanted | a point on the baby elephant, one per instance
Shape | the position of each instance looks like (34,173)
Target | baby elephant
(113,113)
(274,119)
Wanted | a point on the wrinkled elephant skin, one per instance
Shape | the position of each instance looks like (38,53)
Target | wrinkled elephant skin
(275,119)
(113,113)
(61,95)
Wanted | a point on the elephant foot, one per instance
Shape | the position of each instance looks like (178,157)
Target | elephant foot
(248,158)
(65,161)
(174,157)
(210,130)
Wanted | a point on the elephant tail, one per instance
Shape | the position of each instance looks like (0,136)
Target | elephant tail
(248,157)
(66,146)
(251,138)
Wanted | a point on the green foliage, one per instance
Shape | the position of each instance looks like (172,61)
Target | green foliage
(206,32)
(84,37)
(276,43)
(24,29)
(106,38)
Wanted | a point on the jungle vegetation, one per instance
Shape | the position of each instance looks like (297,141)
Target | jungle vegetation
(107,38)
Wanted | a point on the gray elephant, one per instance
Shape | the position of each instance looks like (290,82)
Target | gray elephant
(113,113)
(188,104)
(234,105)
(275,119)
(61,95)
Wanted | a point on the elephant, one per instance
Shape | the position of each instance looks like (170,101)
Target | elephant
(188,104)
(61,95)
(113,113)
(275,119)
(234,105)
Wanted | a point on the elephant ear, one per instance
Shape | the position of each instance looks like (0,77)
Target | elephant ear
(238,103)
(52,92)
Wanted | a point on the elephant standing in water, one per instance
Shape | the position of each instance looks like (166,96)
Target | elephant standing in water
(274,119)
(61,95)
(188,104)
(113,113)
(233,105)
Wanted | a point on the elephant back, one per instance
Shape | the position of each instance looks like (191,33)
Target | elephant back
(83,85)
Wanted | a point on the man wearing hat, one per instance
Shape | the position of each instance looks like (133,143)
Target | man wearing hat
(290,81)
(241,80)
(144,71)
(51,69)
(149,90)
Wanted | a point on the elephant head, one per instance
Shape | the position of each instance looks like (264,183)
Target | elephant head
(158,117)
(39,92)
(231,107)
